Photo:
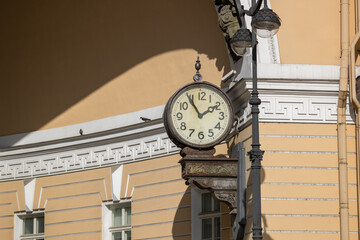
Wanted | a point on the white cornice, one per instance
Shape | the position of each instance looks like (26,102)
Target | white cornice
(106,142)
(122,122)
(292,93)
(288,71)
(299,71)
(77,157)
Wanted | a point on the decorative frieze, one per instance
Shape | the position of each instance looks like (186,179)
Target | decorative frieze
(290,93)
(87,158)
(300,109)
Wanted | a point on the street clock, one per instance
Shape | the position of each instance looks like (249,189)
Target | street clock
(199,115)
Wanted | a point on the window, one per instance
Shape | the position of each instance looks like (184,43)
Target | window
(121,222)
(210,217)
(32,227)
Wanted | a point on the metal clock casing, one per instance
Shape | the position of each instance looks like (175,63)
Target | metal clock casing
(198,115)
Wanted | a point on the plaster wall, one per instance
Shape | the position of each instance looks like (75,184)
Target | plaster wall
(310,31)
(66,62)
(12,199)
(73,202)
(300,190)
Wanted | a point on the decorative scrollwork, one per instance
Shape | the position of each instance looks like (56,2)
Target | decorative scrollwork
(229,197)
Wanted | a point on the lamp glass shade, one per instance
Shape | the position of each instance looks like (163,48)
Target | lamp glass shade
(266,29)
(241,42)
(266,23)
(240,49)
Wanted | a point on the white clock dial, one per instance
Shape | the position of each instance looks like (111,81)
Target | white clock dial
(200,115)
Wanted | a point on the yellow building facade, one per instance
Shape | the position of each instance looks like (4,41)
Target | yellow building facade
(83,149)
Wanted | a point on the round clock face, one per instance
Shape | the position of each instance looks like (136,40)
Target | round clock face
(199,115)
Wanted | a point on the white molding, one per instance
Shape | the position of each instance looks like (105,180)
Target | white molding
(78,158)
(106,142)
(107,217)
(287,71)
(89,128)
(268,50)
(29,189)
(300,109)
(106,221)
(129,132)
(18,224)
(298,71)
(17,227)
(291,93)
(116,177)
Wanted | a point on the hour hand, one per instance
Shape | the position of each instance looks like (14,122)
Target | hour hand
(192,103)
(210,109)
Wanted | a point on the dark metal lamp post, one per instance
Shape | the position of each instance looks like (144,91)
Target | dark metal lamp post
(265,23)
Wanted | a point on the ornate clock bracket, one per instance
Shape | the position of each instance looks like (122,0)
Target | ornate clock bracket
(215,173)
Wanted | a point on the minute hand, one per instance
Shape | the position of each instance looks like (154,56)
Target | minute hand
(209,110)
(192,103)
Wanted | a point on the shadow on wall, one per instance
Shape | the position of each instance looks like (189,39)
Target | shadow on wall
(266,235)
(182,220)
(55,53)
(249,224)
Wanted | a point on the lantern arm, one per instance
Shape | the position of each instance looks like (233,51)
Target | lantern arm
(253,9)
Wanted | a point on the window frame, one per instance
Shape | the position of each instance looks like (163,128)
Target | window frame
(213,214)
(120,228)
(35,235)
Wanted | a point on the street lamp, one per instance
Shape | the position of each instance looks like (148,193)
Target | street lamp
(241,42)
(265,23)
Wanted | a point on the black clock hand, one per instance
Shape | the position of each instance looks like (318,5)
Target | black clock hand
(192,103)
(209,110)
